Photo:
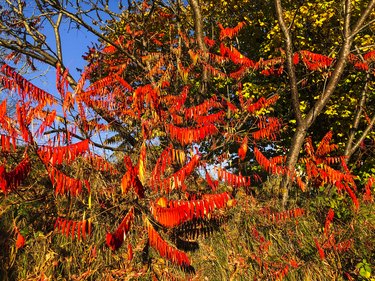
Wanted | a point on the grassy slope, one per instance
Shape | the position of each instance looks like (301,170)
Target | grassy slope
(247,246)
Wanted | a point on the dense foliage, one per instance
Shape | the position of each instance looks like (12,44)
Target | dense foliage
(171,157)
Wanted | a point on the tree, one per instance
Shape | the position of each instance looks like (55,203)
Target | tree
(303,123)
(186,136)
(151,99)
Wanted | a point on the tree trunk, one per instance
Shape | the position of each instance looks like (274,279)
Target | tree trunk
(295,148)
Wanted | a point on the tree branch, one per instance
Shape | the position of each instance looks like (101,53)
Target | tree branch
(361,139)
(198,25)
(337,72)
(82,138)
(289,62)
(360,23)
(89,28)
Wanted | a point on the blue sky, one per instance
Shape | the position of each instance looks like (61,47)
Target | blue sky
(75,43)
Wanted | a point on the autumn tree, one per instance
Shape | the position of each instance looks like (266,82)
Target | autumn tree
(169,100)
(313,26)
(147,92)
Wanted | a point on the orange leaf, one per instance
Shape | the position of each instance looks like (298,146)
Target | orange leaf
(130,252)
(20,243)
(320,249)
(243,149)
(164,249)
(115,240)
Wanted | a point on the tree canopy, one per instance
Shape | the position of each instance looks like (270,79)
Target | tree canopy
(184,122)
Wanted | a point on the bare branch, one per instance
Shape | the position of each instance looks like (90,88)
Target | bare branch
(198,24)
(337,72)
(360,23)
(89,28)
(289,62)
(361,139)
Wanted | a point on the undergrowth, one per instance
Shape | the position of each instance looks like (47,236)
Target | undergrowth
(255,240)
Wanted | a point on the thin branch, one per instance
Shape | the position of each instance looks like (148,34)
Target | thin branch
(29,50)
(360,23)
(82,138)
(289,62)
(337,72)
(357,118)
(80,21)
(56,30)
(198,25)
(362,138)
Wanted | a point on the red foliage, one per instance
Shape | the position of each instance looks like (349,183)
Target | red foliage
(230,32)
(176,180)
(268,165)
(320,249)
(65,184)
(268,128)
(279,217)
(148,99)
(319,171)
(328,221)
(344,245)
(262,103)
(176,212)
(186,135)
(370,56)
(12,80)
(243,149)
(7,142)
(131,180)
(232,179)
(367,197)
(71,228)
(57,155)
(11,180)
(20,242)
(116,239)
(100,164)
(164,249)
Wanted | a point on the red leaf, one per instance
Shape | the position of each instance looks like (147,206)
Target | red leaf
(243,149)
(370,56)
(24,87)
(130,252)
(295,58)
(230,32)
(57,155)
(367,197)
(164,249)
(320,249)
(176,212)
(115,240)
(15,177)
(209,42)
(329,219)
(20,243)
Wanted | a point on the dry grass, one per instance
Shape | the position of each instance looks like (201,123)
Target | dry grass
(252,243)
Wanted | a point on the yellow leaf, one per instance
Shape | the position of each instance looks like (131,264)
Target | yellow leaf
(142,164)
(90,201)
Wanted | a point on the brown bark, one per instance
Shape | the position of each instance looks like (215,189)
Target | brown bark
(289,62)
(198,26)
